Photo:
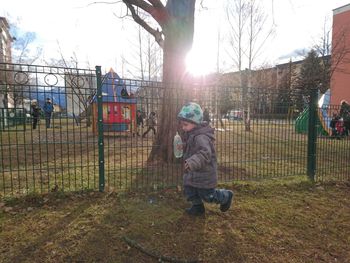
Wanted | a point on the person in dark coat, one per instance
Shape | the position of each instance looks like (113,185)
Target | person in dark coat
(151,123)
(339,126)
(48,109)
(139,122)
(345,114)
(333,124)
(35,114)
(200,176)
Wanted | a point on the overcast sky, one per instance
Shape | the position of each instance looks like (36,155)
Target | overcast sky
(96,35)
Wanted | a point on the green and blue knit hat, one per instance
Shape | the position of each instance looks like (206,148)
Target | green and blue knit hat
(191,112)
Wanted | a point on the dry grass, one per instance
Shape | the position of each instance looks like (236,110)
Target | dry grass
(289,220)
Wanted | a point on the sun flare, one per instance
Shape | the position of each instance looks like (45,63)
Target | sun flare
(198,63)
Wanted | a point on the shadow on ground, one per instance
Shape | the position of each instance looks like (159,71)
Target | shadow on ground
(269,222)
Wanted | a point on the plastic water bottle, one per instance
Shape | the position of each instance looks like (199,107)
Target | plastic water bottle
(178,146)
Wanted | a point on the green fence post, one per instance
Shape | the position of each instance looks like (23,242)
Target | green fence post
(2,119)
(312,135)
(101,157)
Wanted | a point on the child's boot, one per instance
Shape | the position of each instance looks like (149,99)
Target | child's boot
(196,210)
(226,206)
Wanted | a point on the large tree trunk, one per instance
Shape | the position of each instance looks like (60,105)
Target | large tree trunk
(178,41)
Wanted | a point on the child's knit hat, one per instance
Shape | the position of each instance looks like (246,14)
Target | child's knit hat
(191,112)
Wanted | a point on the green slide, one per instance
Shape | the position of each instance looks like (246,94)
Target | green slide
(302,123)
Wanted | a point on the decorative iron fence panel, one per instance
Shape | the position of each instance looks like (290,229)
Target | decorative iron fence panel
(60,156)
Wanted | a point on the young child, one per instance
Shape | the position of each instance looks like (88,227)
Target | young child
(35,113)
(139,122)
(151,123)
(200,177)
(333,124)
(340,127)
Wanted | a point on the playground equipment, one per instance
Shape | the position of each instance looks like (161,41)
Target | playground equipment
(323,119)
(119,107)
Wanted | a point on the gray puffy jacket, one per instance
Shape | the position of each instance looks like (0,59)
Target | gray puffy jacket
(201,158)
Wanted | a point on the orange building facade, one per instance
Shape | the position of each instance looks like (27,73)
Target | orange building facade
(340,81)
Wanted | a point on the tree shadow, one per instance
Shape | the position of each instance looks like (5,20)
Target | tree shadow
(30,250)
(154,176)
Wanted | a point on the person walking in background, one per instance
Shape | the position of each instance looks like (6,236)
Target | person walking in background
(206,116)
(200,176)
(48,109)
(151,123)
(35,113)
(139,122)
(339,126)
(345,114)
(333,124)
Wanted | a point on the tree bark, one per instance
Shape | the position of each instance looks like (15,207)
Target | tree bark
(176,20)
(178,41)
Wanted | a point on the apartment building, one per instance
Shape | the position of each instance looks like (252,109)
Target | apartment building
(340,81)
(5,57)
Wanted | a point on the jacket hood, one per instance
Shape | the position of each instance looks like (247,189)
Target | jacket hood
(203,128)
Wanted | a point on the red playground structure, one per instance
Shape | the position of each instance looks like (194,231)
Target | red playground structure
(119,106)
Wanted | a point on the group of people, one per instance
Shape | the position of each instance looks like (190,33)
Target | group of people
(340,123)
(36,112)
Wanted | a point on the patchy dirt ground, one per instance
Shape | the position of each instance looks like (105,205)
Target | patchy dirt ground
(272,221)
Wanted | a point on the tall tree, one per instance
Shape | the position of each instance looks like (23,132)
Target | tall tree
(174,33)
(237,17)
(258,31)
(286,82)
(323,49)
(247,36)
(310,76)
(23,52)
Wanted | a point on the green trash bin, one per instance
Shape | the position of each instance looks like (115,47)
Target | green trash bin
(13,119)
(2,119)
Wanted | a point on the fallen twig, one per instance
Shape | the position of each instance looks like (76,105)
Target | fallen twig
(134,244)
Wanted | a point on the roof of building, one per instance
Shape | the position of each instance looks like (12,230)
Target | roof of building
(341,9)
(115,90)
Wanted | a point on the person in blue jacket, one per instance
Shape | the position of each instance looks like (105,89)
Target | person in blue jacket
(48,109)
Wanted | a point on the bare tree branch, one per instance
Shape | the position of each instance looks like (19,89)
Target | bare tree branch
(104,2)
(155,32)
(202,5)
(141,4)
(156,3)
(153,7)
(118,16)
(156,10)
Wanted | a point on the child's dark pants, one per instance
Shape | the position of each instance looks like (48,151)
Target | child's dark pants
(197,195)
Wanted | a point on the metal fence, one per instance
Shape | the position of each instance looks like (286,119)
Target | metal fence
(92,139)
